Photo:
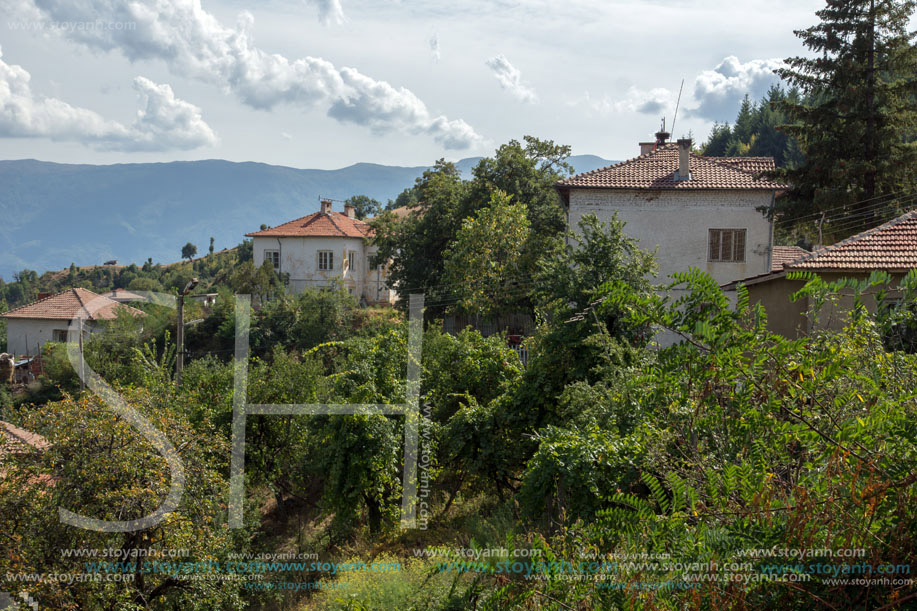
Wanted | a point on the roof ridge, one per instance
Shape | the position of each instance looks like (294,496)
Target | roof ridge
(36,302)
(617,164)
(856,237)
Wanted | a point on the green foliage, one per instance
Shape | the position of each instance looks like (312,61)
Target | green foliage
(758,131)
(856,119)
(188,251)
(416,586)
(104,469)
(487,258)
(364,206)
(416,244)
(303,321)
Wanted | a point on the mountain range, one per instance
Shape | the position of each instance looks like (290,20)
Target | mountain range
(56,214)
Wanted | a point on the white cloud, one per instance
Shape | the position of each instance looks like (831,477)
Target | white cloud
(286,135)
(510,79)
(194,43)
(434,47)
(163,123)
(329,11)
(656,101)
(719,92)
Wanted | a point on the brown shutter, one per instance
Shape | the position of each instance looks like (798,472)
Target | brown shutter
(740,245)
(714,245)
(726,249)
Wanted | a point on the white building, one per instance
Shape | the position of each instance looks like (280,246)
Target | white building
(322,246)
(694,211)
(30,326)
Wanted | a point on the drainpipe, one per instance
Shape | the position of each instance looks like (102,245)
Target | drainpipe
(770,236)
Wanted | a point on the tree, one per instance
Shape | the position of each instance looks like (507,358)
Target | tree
(718,142)
(211,246)
(485,260)
(856,119)
(188,251)
(364,206)
(416,244)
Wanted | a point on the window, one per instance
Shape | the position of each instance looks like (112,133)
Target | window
(274,257)
(325,260)
(351,260)
(727,245)
(59,335)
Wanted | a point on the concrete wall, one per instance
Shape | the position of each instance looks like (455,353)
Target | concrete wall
(24,335)
(299,259)
(789,318)
(784,316)
(675,224)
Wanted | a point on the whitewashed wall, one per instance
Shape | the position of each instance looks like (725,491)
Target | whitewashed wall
(675,224)
(299,259)
(24,335)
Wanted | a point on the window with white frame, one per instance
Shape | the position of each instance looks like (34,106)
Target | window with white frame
(325,260)
(351,260)
(273,256)
(59,335)
(726,246)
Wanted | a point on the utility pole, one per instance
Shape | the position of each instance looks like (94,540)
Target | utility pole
(180,332)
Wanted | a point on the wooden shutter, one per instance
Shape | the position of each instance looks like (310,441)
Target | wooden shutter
(739,245)
(726,250)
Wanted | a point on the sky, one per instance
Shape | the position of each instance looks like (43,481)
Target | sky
(328,83)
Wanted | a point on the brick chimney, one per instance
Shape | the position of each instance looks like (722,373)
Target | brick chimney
(326,206)
(350,210)
(647,147)
(44,296)
(684,159)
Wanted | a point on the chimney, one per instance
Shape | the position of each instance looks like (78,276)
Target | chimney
(684,159)
(350,210)
(647,147)
(661,137)
(326,206)
(44,296)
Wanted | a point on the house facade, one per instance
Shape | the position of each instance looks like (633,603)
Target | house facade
(890,247)
(30,326)
(317,249)
(693,211)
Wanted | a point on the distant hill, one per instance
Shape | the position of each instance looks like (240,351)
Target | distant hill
(53,214)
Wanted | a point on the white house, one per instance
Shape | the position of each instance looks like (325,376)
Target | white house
(47,320)
(694,211)
(322,246)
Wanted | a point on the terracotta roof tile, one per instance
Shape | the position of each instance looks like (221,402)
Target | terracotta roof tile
(68,305)
(14,440)
(890,247)
(786,254)
(318,224)
(656,170)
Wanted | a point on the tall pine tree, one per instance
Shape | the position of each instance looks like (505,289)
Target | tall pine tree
(855,120)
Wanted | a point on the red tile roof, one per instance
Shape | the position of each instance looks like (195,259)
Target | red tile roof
(69,304)
(319,225)
(890,247)
(786,254)
(656,170)
(14,440)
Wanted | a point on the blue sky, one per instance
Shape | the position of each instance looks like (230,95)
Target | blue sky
(327,83)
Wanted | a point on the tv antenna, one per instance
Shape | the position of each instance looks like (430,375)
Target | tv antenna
(677,103)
